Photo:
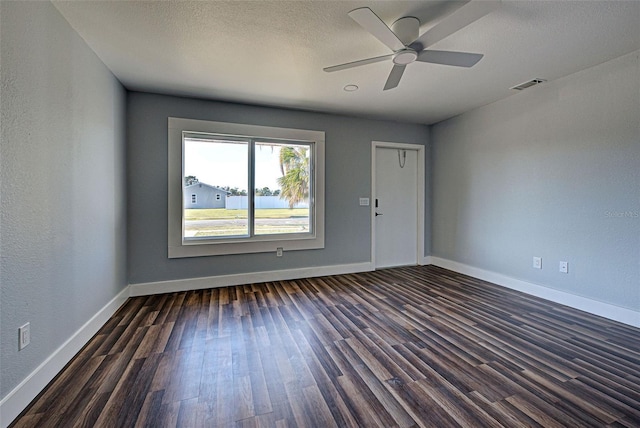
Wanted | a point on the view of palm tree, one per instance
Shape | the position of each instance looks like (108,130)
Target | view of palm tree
(294,165)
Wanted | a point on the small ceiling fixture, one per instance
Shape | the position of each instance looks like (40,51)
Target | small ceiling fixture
(351,88)
(528,84)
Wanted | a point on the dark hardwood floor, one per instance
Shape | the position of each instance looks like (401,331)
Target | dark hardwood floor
(415,346)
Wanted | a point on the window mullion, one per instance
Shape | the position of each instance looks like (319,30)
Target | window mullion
(252,186)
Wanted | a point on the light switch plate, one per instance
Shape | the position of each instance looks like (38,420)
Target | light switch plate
(24,336)
(537,262)
(364,202)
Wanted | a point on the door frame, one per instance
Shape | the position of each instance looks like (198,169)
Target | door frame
(420,198)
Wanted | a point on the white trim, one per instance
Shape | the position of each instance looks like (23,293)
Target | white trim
(18,399)
(149,288)
(426,260)
(606,310)
(420,194)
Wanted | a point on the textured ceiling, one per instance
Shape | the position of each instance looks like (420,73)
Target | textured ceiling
(273,52)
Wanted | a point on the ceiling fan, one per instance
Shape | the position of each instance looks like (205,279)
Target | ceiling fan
(402,38)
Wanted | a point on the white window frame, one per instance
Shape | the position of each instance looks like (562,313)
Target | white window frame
(178,247)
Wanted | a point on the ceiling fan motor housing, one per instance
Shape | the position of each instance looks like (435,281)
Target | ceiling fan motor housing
(406,29)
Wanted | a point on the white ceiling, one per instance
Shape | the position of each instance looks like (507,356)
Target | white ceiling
(273,52)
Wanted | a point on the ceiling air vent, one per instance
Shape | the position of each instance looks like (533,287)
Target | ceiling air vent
(528,84)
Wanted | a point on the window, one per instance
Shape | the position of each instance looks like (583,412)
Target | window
(194,199)
(274,184)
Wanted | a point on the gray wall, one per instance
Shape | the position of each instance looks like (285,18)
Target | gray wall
(62,218)
(554,172)
(348,176)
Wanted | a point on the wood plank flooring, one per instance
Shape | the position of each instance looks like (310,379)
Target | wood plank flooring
(415,346)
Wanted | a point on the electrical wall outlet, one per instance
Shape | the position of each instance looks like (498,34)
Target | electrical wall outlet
(537,262)
(564,267)
(279,252)
(24,336)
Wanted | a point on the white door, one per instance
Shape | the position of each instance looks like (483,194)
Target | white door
(396,207)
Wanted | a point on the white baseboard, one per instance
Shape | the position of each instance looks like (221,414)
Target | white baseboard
(148,288)
(426,260)
(606,310)
(18,399)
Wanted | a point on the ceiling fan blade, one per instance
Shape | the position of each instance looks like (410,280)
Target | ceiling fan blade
(394,77)
(458,59)
(370,22)
(357,63)
(459,19)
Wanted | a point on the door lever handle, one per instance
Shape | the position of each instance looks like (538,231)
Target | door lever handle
(378,214)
